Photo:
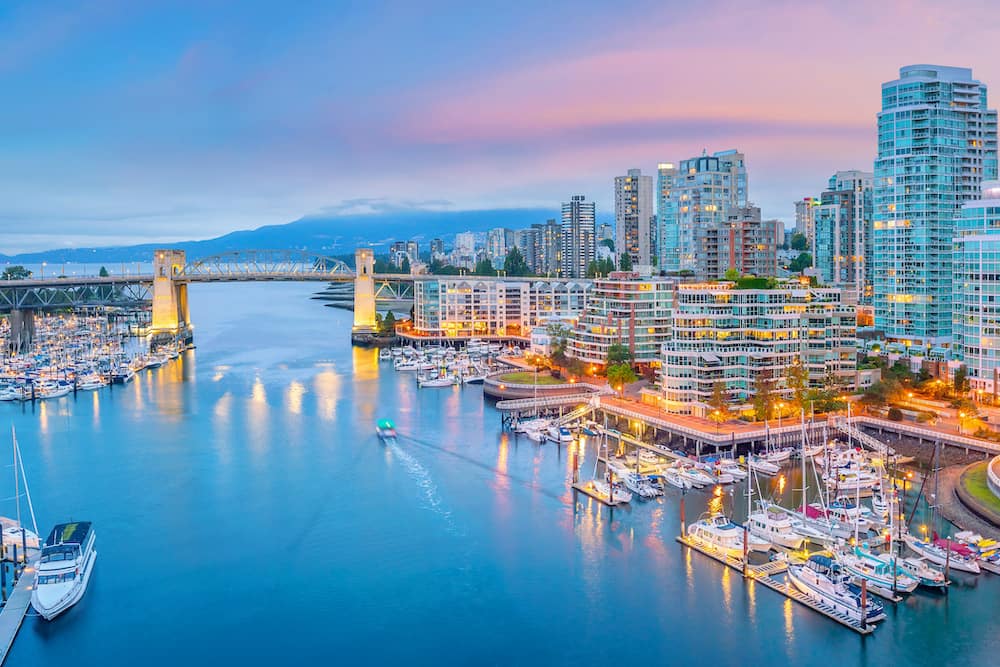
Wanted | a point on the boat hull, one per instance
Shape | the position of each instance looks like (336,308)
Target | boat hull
(49,613)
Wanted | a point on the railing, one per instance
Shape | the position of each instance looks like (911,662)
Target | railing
(548,402)
(929,434)
(993,476)
(847,428)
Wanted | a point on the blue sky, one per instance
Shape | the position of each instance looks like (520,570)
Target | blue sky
(146,121)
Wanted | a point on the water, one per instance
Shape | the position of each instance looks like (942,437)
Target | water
(246,514)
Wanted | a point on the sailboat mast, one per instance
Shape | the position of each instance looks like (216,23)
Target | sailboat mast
(27,493)
(17,488)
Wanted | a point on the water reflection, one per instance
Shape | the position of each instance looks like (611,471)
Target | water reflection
(258,416)
(327,385)
(293,397)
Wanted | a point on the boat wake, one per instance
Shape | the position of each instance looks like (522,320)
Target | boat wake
(432,499)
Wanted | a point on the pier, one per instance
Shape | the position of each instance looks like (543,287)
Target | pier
(765,575)
(15,608)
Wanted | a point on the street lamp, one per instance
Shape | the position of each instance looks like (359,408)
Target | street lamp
(718,420)
(961,416)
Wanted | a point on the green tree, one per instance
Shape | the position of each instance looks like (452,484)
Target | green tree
(514,264)
(558,340)
(103,273)
(719,404)
(620,375)
(895,414)
(405,266)
(388,324)
(799,242)
(961,381)
(763,397)
(439,268)
(484,268)
(16,272)
(732,274)
(625,262)
(618,354)
(593,269)
(797,379)
(800,263)
(608,243)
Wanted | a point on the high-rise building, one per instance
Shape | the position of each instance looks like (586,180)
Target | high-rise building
(526,241)
(743,242)
(413,251)
(667,233)
(437,249)
(804,216)
(704,189)
(841,241)
(464,252)
(937,141)
(397,253)
(549,249)
(577,248)
(634,217)
(496,245)
(976,306)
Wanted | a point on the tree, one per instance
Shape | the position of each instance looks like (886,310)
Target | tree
(625,262)
(799,242)
(388,324)
(618,354)
(895,414)
(608,243)
(620,375)
(763,397)
(484,268)
(797,379)
(439,268)
(558,340)
(719,404)
(16,272)
(514,264)
(961,381)
(800,263)
(103,273)
(405,266)
(732,274)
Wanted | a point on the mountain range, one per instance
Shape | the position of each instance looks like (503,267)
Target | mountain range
(336,235)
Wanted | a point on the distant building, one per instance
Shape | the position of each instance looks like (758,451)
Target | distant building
(605,232)
(526,241)
(577,247)
(413,251)
(722,334)
(627,310)
(634,228)
(549,250)
(397,253)
(437,248)
(743,242)
(804,212)
(841,239)
(496,245)
(464,253)
(667,232)
(937,141)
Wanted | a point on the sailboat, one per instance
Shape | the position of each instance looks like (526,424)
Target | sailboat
(14,531)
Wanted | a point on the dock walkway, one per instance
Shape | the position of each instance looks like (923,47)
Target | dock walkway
(13,612)
(765,575)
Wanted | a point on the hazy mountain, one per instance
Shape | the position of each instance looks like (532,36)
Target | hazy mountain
(330,235)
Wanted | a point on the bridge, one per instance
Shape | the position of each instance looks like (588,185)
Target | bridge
(166,287)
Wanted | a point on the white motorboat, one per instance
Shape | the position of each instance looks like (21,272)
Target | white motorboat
(559,434)
(852,479)
(674,478)
(775,525)
(731,468)
(925,573)
(604,489)
(442,381)
(15,534)
(640,486)
(763,466)
(697,478)
(90,382)
(385,354)
(536,434)
(877,570)
(718,533)
(778,456)
(64,568)
(822,580)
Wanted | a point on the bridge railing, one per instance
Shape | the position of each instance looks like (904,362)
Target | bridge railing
(274,263)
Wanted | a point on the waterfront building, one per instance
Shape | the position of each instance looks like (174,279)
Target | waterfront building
(667,233)
(743,243)
(976,318)
(703,190)
(804,220)
(937,141)
(577,243)
(634,227)
(841,242)
(623,309)
(722,333)
(550,248)
(470,306)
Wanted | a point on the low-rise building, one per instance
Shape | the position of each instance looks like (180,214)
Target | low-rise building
(722,333)
(623,309)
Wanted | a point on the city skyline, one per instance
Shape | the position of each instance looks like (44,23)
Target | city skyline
(131,125)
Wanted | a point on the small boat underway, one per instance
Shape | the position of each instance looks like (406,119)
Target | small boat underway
(385,430)
(64,569)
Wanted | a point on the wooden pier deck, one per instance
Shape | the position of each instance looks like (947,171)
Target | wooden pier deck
(13,612)
(586,489)
(765,575)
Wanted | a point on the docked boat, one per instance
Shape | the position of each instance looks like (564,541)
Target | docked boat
(604,489)
(775,525)
(763,466)
(718,533)
(933,553)
(64,568)
(731,468)
(877,570)
(674,478)
(926,574)
(559,434)
(385,430)
(640,486)
(821,579)
(698,478)
(385,354)
(442,381)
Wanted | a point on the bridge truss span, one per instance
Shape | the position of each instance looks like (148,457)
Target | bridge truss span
(70,294)
(266,265)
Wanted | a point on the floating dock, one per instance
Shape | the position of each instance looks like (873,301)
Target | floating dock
(14,610)
(765,575)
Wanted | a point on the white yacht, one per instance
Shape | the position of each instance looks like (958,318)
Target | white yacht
(604,489)
(822,580)
(732,468)
(559,434)
(718,533)
(640,486)
(763,466)
(674,478)
(64,569)
(774,525)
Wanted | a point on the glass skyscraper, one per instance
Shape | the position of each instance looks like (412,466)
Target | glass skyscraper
(577,244)
(668,248)
(937,141)
(840,231)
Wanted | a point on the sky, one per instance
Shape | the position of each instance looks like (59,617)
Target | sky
(128,122)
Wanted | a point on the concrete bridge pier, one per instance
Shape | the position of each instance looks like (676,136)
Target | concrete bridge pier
(364,330)
(22,330)
(171,315)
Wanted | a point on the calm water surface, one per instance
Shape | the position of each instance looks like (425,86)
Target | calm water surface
(246,514)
